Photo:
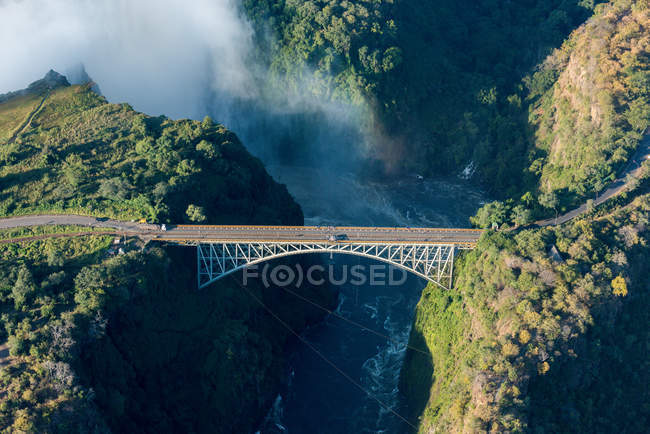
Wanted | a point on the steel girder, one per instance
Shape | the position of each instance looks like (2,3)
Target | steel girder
(433,262)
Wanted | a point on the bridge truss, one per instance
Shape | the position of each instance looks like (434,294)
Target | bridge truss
(433,262)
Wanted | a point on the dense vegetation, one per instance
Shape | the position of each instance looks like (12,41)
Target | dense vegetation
(83,155)
(126,342)
(590,120)
(547,330)
(442,80)
(39,391)
(116,337)
(589,106)
(446,84)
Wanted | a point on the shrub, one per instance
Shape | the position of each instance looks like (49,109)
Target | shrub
(195,213)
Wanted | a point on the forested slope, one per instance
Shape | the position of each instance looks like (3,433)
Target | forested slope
(546,330)
(439,82)
(84,155)
(116,337)
(529,340)
(446,84)
(590,120)
(588,108)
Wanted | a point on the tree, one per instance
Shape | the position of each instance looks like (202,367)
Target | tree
(74,170)
(493,213)
(23,288)
(207,123)
(619,287)
(113,188)
(599,184)
(145,147)
(527,198)
(187,167)
(55,258)
(18,345)
(53,279)
(89,284)
(549,200)
(208,150)
(160,191)
(62,341)
(139,126)
(521,215)
(632,181)
(195,213)
(392,58)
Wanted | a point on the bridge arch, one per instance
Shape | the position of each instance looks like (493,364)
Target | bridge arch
(433,262)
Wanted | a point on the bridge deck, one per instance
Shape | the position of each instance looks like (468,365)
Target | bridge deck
(222,250)
(198,234)
(195,234)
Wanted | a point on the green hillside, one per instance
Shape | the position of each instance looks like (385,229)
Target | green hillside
(83,155)
(99,340)
(522,326)
(439,82)
(446,84)
(590,120)
(547,329)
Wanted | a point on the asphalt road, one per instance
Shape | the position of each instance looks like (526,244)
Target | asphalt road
(320,234)
(70,219)
(633,169)
(197,233)
(191,234)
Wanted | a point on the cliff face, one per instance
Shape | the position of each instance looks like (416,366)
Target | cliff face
(591,119)
(545,329)
(174,359)
(126,342)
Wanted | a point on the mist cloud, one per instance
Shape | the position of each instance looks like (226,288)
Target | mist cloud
(160,56)
(182,59)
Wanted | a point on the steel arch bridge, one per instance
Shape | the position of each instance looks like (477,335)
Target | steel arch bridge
(433,262)
(225,249)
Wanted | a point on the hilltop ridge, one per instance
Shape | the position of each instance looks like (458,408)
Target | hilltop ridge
(50,81)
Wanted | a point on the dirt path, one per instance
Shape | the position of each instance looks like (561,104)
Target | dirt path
(29,119)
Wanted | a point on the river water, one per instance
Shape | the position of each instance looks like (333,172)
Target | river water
(319,398)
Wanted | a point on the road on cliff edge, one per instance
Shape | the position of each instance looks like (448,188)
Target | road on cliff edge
(206,233)
(633,170)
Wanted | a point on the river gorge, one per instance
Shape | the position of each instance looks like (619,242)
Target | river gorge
(318,398)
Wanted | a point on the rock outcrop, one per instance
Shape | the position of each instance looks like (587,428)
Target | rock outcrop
(52,80)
